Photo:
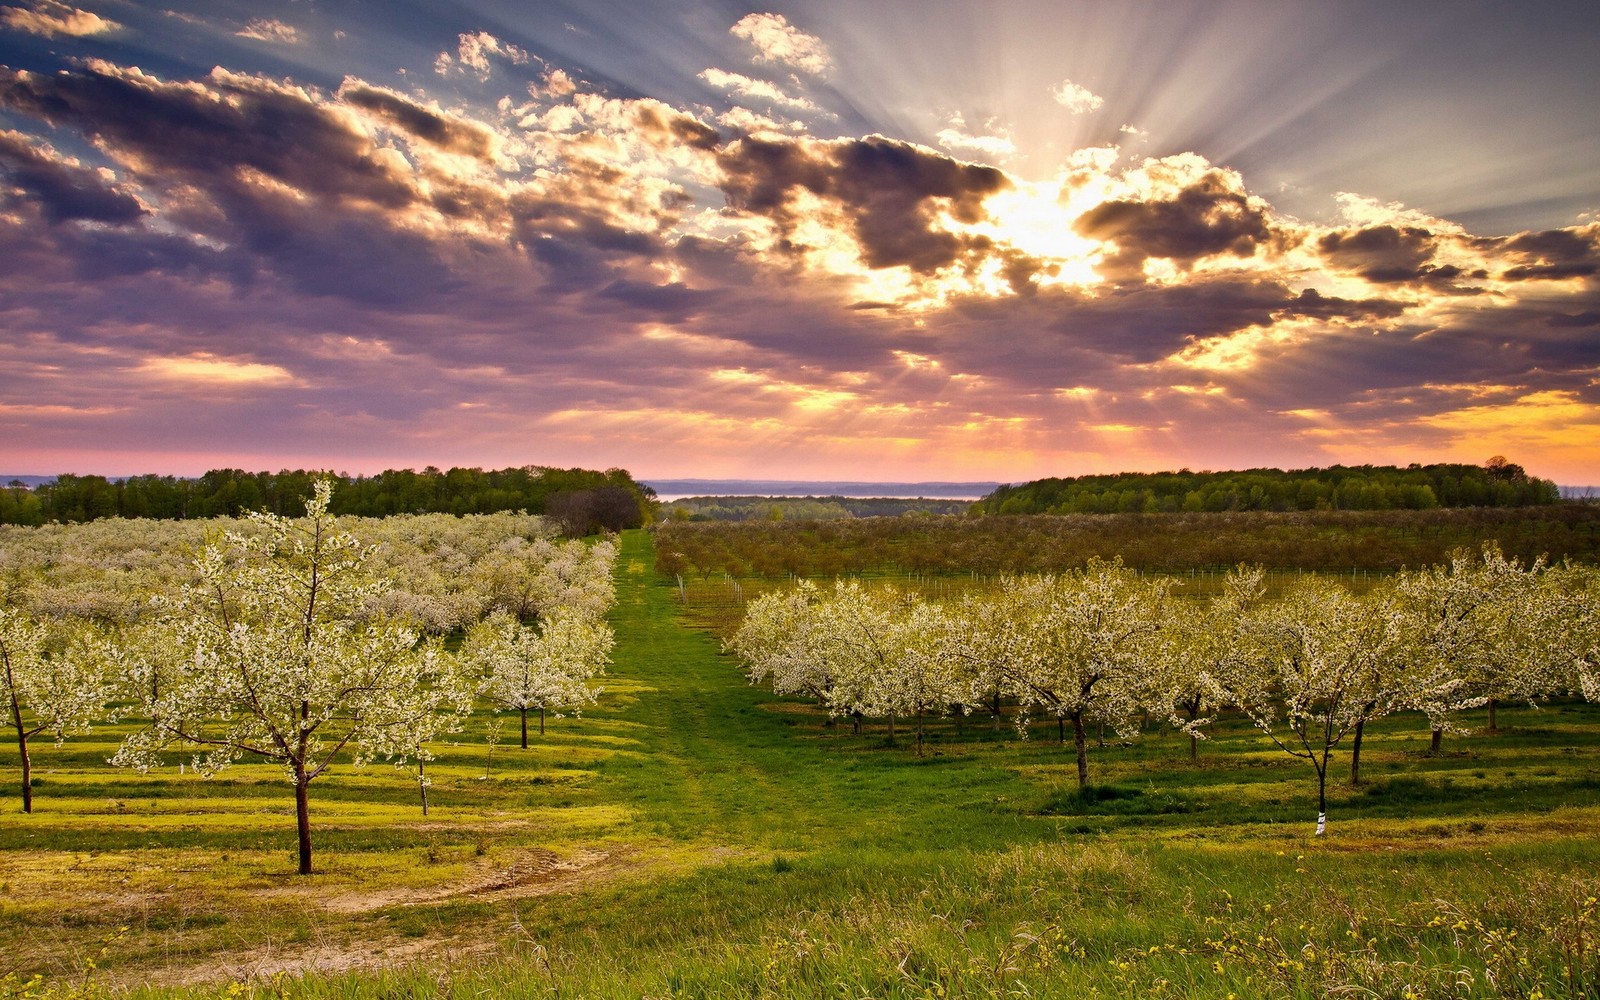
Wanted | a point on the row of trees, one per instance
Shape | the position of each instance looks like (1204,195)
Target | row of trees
(1497,483)
(1104,645)
(829,508)
(282,644)
(585,500)
(1327,541)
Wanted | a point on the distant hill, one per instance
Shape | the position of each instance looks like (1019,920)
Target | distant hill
(29,481)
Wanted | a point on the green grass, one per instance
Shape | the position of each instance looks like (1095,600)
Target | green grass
(694,836)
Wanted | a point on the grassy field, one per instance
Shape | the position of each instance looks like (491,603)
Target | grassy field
(694,836)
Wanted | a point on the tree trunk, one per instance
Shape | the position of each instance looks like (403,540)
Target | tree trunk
(994,711)
(422,785)
(524,712)
(891,730)
(1061,730)
(1083,749)
(1322,797)
(22,741)
(1438,740)
(541,720)
(27,772)
(919,734)
(1494,715)
(1355,754)
(302,819)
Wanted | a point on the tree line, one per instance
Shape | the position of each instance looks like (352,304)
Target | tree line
(1103,645)
(294,641)
(582,500)
(1496,483)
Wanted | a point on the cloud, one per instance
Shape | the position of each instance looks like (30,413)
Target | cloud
(55,20)
(778,41)
(887,190)
(1553,255)
(64,189)
(760,90)
(267,29)
(210,370)
(447,132)
(385,276)
(1390,255)
(473,52)
(1078,99)
(995,143)
(1209,216)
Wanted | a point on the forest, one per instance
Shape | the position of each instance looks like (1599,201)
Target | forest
(1497,483)
(582,499)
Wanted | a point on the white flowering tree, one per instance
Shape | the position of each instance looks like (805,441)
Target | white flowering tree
(1324,662)
(1568,602)
(50,684)
(1206,639)
(779,642)
(921,678)
(983,643)
(273,653)
(543,668)
(1093,652)
(1473,617)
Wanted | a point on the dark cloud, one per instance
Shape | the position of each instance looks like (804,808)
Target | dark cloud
(890,192)
(1205,219)
(1381,254)
(676,127)
(444,131)
(1551,255)
(1534,272)
(671,303)
(64,191)
(211,134)
(1579,320)
(1398,255)
(1313,303)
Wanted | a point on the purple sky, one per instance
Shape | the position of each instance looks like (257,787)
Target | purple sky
(888,241)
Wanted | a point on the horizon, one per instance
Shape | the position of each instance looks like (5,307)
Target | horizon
(806,241)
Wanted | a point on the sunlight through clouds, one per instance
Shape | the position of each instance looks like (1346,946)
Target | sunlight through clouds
(686,239)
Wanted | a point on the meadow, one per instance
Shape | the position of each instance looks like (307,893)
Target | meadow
(693,835)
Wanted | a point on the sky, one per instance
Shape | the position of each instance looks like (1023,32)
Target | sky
(892,241)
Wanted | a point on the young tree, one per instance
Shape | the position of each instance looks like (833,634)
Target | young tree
(1569,632)
(273,652)
(1322,663)
(523,667)
(1205,640)
(856,635)
(984,643)
(49,686)
(778,640)
(1092,647)
(1469,617)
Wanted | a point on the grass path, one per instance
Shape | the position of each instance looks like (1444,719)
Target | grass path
(721,766)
